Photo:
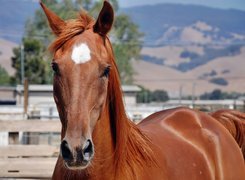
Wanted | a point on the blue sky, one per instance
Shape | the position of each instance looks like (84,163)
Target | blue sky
(224,4)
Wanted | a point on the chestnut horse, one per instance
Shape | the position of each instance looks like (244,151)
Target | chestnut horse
(234,122)
(99,142)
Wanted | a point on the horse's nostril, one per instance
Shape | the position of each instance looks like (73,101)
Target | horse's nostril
(65,151)
(88,150)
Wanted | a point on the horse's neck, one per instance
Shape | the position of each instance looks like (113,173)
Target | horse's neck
(103,140)
(107,160)
(122,154)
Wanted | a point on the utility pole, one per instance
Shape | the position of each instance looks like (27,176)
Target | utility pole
(180,94)
(193,94)
(244,106)
(26,96)
(22,64)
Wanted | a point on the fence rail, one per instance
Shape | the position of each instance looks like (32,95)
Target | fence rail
(28,161)
(30,126)
(40,168)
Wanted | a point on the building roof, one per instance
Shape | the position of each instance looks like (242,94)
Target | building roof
(130,88)
(35,87)
(48,88)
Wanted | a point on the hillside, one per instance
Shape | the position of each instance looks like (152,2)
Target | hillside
(188,46)
(168,23)
(231,69)
(5,55)
(189,35)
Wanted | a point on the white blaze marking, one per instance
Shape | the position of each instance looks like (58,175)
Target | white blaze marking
(81,53)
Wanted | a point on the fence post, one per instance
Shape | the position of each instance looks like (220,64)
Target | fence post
(244,106)
(26,94)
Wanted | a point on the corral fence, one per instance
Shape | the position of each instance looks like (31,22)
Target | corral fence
(27,154)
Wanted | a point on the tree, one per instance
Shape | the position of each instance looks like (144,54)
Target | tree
(4,77)
(146,96)
(160,96)
(36,67)
(216,94)
(127,45)
(126,38)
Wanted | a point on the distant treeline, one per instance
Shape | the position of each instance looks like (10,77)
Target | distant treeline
(147,96)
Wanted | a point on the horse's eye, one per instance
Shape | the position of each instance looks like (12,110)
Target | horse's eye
(106,72)
(55,67)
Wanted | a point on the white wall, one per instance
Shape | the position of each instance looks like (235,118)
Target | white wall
(4,138)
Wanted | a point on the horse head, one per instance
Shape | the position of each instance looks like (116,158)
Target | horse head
(81,64)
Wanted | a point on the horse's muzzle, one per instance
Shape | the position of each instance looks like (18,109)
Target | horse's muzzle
(80,157)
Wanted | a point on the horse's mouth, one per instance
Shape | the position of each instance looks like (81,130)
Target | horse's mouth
(81,165)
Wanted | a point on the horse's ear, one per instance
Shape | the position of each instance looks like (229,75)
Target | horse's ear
(105,19)
(55,22)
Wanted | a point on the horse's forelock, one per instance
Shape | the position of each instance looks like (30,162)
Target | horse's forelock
(72,28)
